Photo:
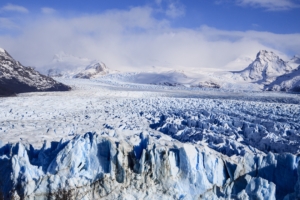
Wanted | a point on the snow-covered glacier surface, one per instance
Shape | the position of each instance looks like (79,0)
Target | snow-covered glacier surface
(108,139)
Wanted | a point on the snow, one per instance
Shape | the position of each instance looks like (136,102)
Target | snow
(260,75)
(287,82)
(2,50)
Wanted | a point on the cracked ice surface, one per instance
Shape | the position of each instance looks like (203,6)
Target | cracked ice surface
(231,140)
(228,126)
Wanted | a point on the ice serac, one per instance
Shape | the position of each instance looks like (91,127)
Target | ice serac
(98,166)
(15,78)
(296,193)
(265,69)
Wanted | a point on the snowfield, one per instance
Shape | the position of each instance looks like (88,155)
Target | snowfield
(115,139)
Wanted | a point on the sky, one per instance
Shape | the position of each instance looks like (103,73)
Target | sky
(139,34)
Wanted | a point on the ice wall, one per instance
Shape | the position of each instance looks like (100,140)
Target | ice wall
(98,166)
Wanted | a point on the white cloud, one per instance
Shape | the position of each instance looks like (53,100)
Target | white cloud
(171,8)
(175,9)
(272,5)
(47,10)
(134,39)
(15,8)
(6,23)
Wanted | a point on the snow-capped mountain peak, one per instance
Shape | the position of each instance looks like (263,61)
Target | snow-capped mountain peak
(265,55)
(93,70)
(266,68)
(2,50)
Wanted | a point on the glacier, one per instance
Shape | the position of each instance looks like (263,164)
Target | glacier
(111,139)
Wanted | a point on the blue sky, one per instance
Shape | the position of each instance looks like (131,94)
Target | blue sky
(134,33)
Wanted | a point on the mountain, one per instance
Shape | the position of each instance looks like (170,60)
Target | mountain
(69,66)
(265,69)
(15,78)
(92,71)
(267,72)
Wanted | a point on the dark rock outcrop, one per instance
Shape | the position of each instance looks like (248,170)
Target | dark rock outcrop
(15,78)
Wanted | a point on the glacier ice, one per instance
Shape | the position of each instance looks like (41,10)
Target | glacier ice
(100,166)
(128,141)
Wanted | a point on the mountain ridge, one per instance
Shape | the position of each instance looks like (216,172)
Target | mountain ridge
(16,78)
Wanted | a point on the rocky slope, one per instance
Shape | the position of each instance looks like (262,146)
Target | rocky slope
(15,78)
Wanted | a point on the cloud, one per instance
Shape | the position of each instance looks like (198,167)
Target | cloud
(271,5)
(15,8)
(171,8)
(135,40)
(47,10)
(175,9)
(7,23)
